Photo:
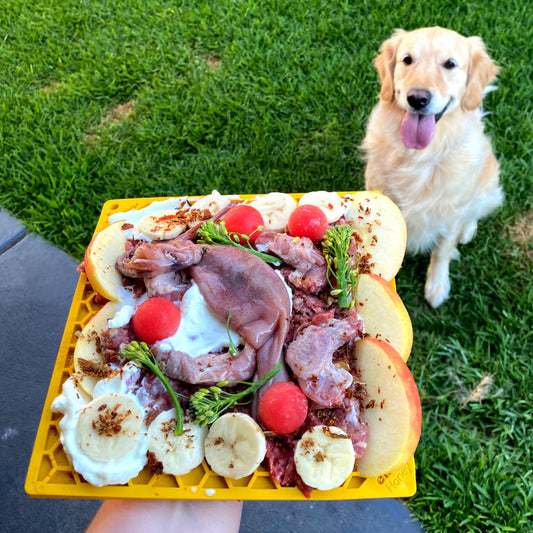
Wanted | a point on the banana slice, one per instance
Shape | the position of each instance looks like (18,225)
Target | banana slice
(324,457)
(178,454)
(276,208)
(235,445)
(215,202)
(329,202)
(162,226)
(110,427)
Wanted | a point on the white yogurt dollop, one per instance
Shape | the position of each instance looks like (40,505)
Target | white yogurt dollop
(99,473)
(124,382)
(200,331)
(122,316)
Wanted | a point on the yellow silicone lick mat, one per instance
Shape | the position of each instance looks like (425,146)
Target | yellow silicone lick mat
(50,474)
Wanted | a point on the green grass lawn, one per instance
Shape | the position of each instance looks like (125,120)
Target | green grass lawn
(104,99)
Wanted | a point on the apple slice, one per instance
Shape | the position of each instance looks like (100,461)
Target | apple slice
(392,408)
(384,314)
(87,347)
(100,258)
(380,224)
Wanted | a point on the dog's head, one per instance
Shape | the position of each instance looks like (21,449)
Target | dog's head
(430,72)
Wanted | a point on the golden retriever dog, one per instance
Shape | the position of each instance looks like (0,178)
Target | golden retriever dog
(425,147)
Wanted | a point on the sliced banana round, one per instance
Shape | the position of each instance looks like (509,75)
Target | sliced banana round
(235,445)
(162,226)
(109,427)
(276,208)
(330,202)
(324,457)
(214,202)
(178,454)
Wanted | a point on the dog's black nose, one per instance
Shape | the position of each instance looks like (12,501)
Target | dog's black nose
(418,98)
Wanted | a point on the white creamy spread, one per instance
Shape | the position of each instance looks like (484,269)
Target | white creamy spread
(289,290)
(122,317)
(200,331)
(121,383)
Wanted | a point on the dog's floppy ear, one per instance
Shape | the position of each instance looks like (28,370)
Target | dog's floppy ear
(481,72)
(384,64)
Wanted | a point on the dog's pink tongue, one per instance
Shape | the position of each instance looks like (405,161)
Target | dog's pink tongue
(417,130)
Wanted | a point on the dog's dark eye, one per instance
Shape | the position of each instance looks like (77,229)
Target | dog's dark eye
(407,59)
(451,63)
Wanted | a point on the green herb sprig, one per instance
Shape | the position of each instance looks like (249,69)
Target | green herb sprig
(335,246)
(142,356)
(211,233)
(232,349)
(206,405)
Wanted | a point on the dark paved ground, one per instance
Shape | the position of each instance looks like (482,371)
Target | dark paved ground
(37,283)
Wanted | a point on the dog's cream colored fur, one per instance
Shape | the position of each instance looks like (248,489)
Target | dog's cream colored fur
(445,188)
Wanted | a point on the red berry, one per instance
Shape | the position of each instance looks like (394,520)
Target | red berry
(283,407)
(244,219)
(155,319)
(308,221)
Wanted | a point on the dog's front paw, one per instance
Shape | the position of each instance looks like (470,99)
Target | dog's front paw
(437,290)
(468,232)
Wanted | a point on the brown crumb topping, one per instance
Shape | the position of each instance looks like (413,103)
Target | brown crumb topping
(109,421)
(95,369)
(155,466)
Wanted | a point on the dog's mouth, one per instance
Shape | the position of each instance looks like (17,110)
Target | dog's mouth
(438,116)
(417,129)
